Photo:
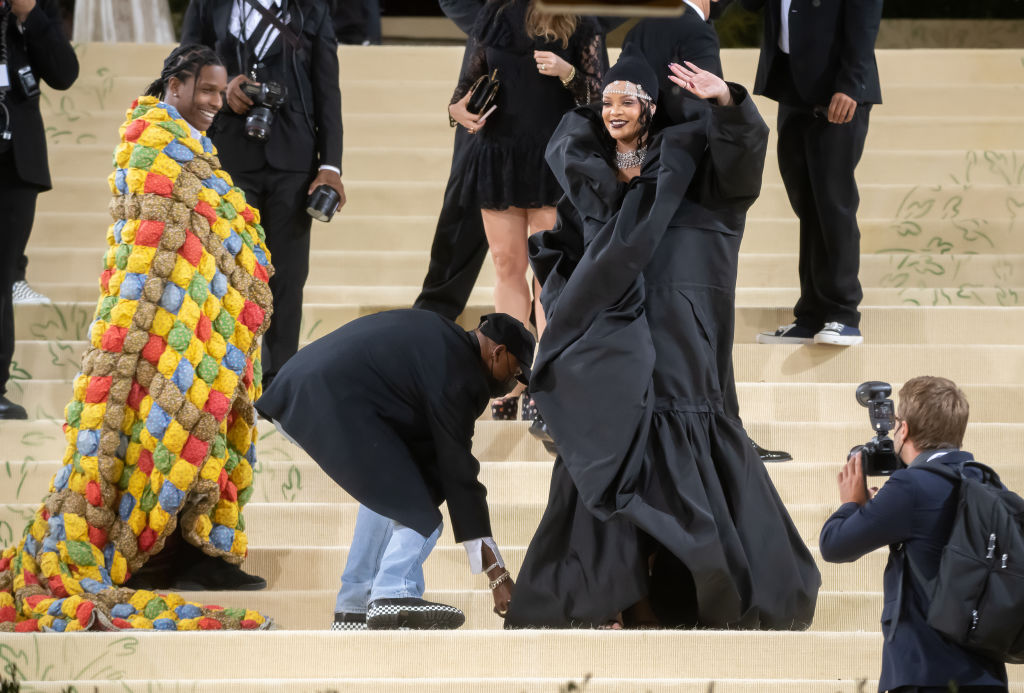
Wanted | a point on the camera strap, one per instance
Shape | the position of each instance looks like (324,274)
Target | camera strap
(286,31)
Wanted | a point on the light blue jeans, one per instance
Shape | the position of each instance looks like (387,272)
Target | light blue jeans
(384,562)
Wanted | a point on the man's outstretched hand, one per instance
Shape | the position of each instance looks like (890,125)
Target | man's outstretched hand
(330,179)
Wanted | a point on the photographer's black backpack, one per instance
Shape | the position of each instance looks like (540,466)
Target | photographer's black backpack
(977,597)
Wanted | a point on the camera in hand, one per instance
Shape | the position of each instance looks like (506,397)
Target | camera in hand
(878,455)
(266,97)
(323,203)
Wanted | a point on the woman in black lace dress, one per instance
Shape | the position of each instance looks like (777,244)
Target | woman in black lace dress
(547,64)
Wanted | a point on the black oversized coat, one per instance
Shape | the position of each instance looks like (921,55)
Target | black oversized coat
(386,405)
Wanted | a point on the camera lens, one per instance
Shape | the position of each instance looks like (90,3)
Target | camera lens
(257,125)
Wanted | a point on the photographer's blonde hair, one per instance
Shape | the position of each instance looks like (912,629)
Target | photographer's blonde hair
(936,412)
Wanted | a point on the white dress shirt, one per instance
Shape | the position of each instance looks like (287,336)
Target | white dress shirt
(784,27)
(242,10)
(473,551)
(699,11)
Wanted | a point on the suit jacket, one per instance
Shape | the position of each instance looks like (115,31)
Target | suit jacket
(912,513)
(831,49)
(660,41)
(44,47)
(307,130)
(397,397)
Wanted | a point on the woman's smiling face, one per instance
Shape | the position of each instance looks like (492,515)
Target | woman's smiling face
(621,113)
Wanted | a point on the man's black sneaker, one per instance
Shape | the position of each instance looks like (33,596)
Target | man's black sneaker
(410,613)
(349,621)
(210,574)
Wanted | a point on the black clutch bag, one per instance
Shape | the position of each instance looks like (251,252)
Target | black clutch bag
(483,93)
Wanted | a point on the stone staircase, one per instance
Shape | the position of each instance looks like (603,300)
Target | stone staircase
(942,219)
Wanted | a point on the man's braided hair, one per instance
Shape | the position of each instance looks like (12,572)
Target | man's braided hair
(184,62)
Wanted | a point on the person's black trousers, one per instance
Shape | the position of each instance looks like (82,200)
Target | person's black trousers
(17,213)
(817,161)
(459,248)
(281,198)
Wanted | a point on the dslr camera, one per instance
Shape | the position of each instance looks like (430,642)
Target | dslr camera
(267,98)
(878,455)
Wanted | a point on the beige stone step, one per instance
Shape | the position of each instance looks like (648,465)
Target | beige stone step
(375,232)
(388,268)
(889,325)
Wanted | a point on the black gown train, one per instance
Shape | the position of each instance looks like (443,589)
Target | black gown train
(656,491)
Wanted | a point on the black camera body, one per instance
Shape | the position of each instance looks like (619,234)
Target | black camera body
(267,98)
(878,455)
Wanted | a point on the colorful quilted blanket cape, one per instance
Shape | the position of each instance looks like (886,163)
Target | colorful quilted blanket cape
(161,427)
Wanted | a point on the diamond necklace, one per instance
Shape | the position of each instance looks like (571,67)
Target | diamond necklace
(631,159)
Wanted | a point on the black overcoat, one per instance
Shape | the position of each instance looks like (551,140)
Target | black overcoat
(638,286)
(386,405)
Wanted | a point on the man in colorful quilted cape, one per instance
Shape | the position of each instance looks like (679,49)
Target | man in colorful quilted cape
(161,426)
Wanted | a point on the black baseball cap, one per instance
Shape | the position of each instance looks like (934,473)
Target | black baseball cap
(504,329)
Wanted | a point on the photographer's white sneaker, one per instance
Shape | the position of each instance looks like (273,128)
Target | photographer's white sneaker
(838,334)
(25,295)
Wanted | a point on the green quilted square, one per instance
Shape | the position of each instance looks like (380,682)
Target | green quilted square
(142,157)
(173,128)
(198,289)
(163,459)
(208,369)
(179,337)
(224,324)
(80,552)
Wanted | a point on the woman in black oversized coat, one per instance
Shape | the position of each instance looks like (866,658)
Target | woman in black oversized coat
(657,497)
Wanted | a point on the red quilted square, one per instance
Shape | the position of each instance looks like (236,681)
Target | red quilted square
(135,395)
(145,462)
(251,316)
(154,348)
(113,338)
(195,451)
(98,388)
(57,587)
(134,129)
(204,328)
(147,539)
(230,492)
(248,375)
(105,279)
(247,214)
(93,494)
(206,210)
(149,233)
(191,249)
(217,404)
(97,537)
(260,272)
(158,184)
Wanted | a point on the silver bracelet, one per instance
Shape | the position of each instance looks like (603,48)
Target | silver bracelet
(491,567)
(504,577)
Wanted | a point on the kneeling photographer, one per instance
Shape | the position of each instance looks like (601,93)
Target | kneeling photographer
(915,514)
(280,133)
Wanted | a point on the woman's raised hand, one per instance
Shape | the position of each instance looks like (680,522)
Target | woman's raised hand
(700,82)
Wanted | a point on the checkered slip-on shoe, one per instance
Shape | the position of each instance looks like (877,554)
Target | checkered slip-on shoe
(349,621)
(410,613)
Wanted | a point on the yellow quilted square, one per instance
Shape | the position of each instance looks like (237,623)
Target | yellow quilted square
(158,519)
(156,138)
(195,351)
(188,624)
(77,483)
(162,323)
(241,475)
(50,565)
(207,265)
(246,259)
(216,346)
(240,545)
(173,601)
(112,182)
(140,259)
(114,284)
(210,197)
(81,385)
(148,441)
(226,381)
(233,301)
(211,468)
(96,336)
(182,474)
(224,176)
(92,414)
(175,437)
(182,272)
(163,164)
(137,483)
(211,307)
(90,571)
(156,479)
(137,521)
(123,312)
(119,568)
(136,181)
(39,528)
(199,392)
(129,230)
(222,227)
(122,154)
(168,362)
(225,513)
(203,527)
(242,337)
(236,197)
(91,466)
(189,313)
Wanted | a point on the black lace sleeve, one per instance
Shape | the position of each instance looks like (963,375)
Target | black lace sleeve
(585,86)
(474,64)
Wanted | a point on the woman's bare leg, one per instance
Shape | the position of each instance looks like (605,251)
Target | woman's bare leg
(506,236)
(540,219)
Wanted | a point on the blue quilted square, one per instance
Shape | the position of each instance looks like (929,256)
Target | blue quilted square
(157,421)
(171,300)
(183,376)
(132,285)
(88,442)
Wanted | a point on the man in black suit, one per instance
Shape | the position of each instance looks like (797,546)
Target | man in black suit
(913,514)
(818,62)
(292,43)
(34,39)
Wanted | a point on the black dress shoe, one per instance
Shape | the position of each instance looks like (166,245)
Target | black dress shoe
(11,411)
(539,430)
(770,455)
(411,613)
(213,574)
